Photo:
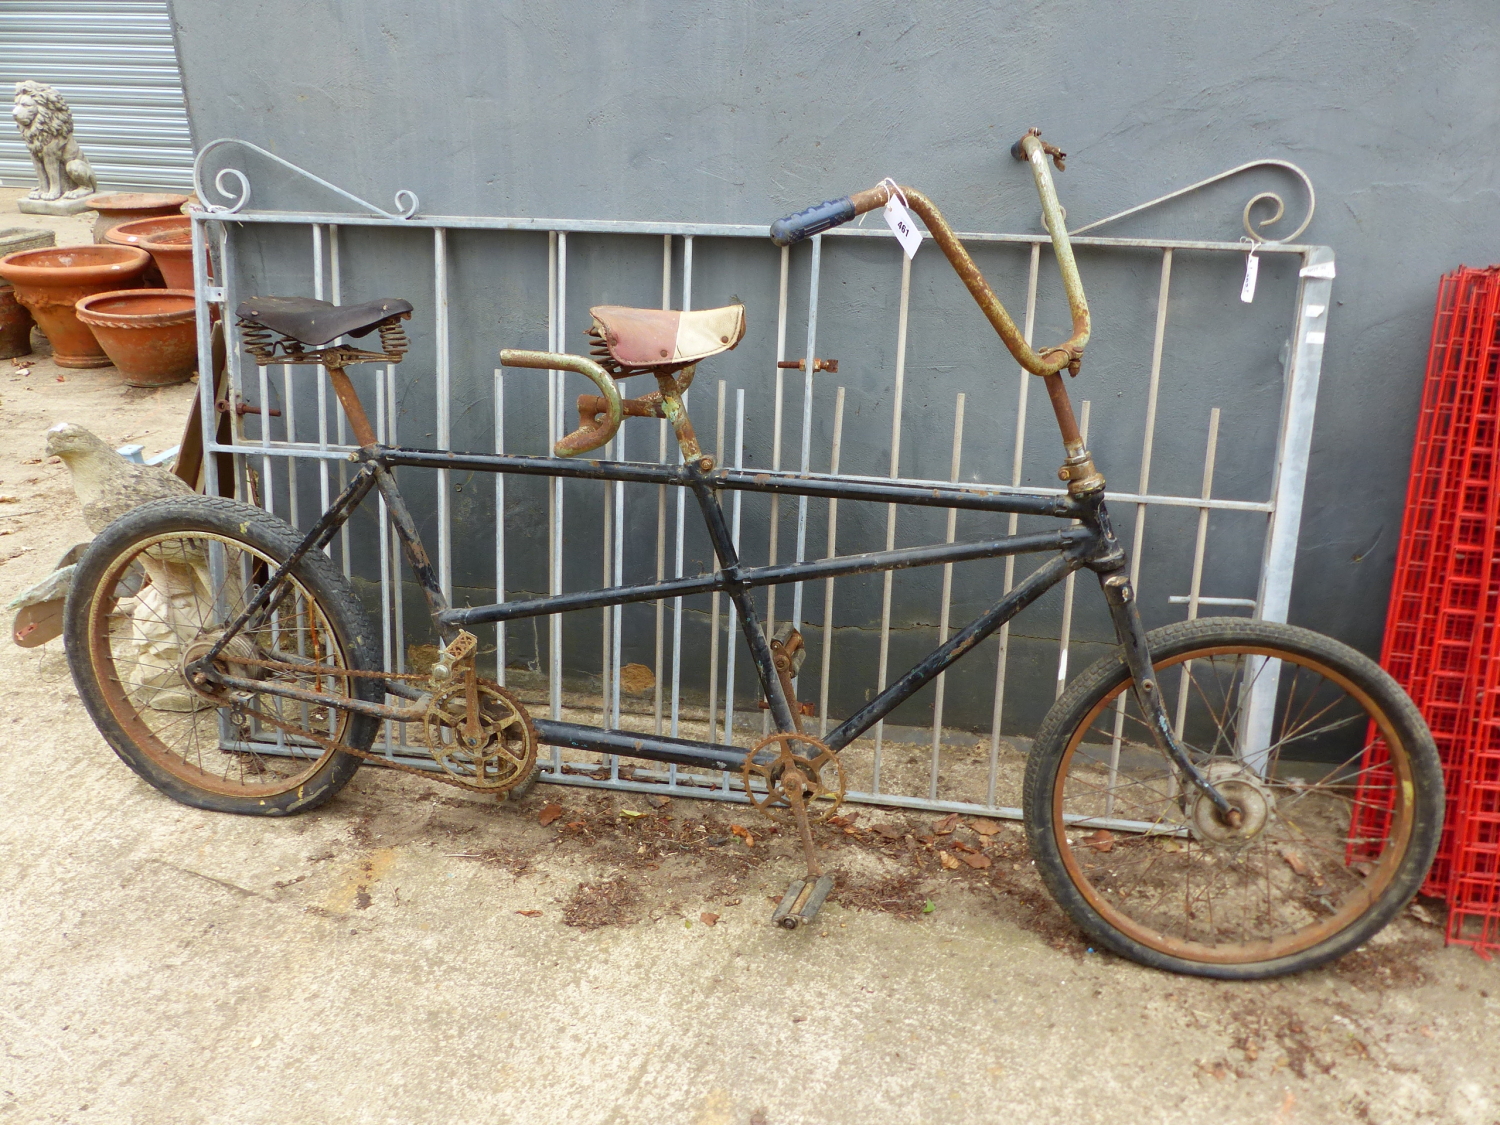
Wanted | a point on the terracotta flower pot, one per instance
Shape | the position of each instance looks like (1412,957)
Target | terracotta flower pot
(50,282)
(121,207)
(151,334)
(15,325)
(134,233)
(173,251)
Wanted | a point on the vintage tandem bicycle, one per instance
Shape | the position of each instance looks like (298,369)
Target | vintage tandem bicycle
(1226,797)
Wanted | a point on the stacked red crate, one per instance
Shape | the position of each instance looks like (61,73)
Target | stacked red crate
(1474,890)
(1440,624)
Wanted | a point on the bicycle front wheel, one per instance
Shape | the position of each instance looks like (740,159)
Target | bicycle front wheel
(1334,772)
(153,593)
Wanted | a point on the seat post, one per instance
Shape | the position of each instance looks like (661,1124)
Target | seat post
(676,411)
(364,433)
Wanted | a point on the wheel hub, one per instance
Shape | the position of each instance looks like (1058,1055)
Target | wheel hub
(1246,793)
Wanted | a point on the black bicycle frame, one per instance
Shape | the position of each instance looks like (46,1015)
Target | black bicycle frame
(1089,542)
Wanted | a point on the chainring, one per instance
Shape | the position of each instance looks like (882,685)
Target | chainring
(503,754)
(822,773)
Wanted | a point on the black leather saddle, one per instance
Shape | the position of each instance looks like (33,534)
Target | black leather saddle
(315,323)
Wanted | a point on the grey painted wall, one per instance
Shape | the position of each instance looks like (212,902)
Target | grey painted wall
(743,113)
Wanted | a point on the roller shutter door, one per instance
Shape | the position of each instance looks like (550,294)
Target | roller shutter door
(115,63)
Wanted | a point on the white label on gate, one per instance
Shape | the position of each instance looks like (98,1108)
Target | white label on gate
(899,219)
(1252,271)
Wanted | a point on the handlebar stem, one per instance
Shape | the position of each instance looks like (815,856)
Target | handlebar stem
(1046,362)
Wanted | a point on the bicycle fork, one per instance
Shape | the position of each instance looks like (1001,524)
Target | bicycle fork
(1131,633)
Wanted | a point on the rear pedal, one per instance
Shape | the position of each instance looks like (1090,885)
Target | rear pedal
(802,901)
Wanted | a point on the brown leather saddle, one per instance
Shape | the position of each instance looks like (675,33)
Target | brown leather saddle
(634,341)
(316,323)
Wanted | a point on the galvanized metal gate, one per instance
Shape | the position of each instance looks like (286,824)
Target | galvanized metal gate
(290,450)
(115,63)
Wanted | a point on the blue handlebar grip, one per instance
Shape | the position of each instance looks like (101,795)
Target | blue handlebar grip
(815,220)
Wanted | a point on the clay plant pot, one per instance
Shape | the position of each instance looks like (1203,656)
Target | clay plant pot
(50,282)
(134,233)
(124,206)
(151,334)
(173,251)
(15,325)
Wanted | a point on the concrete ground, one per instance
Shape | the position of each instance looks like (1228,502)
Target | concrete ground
(414,953)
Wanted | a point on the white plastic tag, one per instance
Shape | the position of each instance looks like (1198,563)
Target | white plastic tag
(899,219)
(1322,271)
(1252,271)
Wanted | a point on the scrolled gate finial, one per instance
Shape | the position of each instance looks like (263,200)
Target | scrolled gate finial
(238,195)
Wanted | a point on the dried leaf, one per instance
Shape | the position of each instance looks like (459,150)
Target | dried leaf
(660,802)
(889,831)
(549,814)
(708,919)
(530,913)
(1101,841)
(946,825)
(976,861)
(1421,914)
(984,826)
(1294,860)
(948,861)
(632,813)
(636,679)
(743,833)
(960,846)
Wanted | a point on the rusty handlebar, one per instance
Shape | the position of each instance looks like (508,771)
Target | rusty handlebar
(1030,148)
(585,438)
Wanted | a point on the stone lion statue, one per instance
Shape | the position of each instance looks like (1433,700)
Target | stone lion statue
(46,124)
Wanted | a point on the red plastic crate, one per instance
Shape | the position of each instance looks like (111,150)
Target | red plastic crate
(1441,620)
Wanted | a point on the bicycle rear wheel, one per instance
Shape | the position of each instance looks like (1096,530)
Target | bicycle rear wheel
(1332,767)
(155,590)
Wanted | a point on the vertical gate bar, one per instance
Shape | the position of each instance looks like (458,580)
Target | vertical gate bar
(398,611)
(805,463)
(946,611)
(1065,634)
(1138,540)
(554,505)
(687,303)
(776,420)
(289,409)
(267,483)
(606,552)
(833,527)
(617,628)
(336,286)
(890,512)
(444,409)
(658,669)
(732,641)
(1199,544)
(1304,369)
(499,525)
(385,560)
(1002,659)
(323,490)
(208,414)
(713,614)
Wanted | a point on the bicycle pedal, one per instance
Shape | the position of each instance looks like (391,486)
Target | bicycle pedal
(802,901)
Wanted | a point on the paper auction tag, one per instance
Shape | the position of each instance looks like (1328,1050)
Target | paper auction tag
(899,219)
(1252,271)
